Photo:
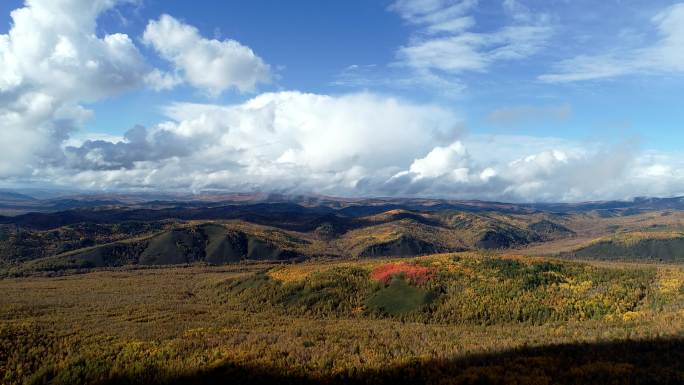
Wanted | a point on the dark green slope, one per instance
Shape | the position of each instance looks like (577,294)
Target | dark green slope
(669,250)
(223,245)
(227,245)
(505,237)
(550,229)
(403,246)
(174,247)
(210,243)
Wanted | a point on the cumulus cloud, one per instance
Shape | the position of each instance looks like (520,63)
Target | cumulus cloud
(441,161)
(442,166)
(356,144)
(159,80)
(50,61)
(52,46)
(557,171)
(666,55)
(138,144)
(275,140)
(209,64)
(582,175)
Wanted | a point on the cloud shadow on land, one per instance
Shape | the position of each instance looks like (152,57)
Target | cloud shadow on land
(658,361)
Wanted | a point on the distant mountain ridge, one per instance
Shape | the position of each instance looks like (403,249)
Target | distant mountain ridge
(16,204)
(9,196)
(106,231)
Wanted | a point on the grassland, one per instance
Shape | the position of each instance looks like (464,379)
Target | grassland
(465,318)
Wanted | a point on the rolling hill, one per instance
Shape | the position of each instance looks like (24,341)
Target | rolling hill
(209,243)
(251,228)
(640,246)
(93,238)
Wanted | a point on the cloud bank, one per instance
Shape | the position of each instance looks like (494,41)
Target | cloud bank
(357,145)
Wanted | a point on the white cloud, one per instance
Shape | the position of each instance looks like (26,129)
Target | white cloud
(456,25)
(520,115)
(520,168)
(444,40)
(441,161)
(431,11)
(209,64)
(50,61)
(518,10)
(160,81)
(357,144)
(584,175)
(664,56)
(369,76)
(52,45)
(540,165)
(286,140)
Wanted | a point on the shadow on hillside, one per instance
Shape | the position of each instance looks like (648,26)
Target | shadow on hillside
(624,363)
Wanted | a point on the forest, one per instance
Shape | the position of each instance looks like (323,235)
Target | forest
(462,318)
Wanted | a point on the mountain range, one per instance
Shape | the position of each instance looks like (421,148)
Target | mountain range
(95,231)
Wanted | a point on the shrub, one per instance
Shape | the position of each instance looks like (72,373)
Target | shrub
(413,273)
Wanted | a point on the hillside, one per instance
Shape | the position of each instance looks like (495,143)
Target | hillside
(170,232)
(460,288)
(210,243)
(463,318)
(642,246)
(283,232)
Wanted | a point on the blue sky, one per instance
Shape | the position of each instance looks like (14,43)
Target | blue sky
(559,83)
(313,42)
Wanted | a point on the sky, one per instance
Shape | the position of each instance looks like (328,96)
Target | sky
(511,100)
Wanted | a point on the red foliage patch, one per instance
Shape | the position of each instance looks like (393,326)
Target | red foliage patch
(415,274)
